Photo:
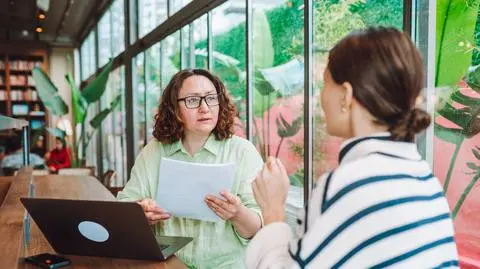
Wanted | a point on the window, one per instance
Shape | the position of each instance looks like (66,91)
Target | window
(139,84)
(332,20)
(188,54)
(113,129)
(176,5)
(88,55)
(278,75)
(228,54)
(151,13)
(105,38)
(455,142)
(170,57)
(200,35)
(118,31)
(153,89)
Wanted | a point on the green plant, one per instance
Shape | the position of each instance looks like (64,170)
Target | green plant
(455,33)
(476,173)
(81,100)
(465,118)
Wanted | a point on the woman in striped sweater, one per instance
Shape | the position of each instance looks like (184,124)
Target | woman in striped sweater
(381,207)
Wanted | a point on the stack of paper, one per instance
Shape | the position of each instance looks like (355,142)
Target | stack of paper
(182,187)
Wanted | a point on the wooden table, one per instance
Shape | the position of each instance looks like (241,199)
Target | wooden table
(12,212)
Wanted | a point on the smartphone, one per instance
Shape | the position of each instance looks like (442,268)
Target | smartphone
(48,261)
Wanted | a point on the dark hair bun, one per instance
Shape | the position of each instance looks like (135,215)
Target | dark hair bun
(412,123)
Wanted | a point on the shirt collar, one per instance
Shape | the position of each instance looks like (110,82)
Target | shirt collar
(212,145)
(379,143)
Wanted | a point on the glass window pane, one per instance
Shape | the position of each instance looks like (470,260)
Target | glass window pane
(88,56)
(92,54)
(133,23)
(139,102)
(176,5)
(228,29)
(113,129)
(343,17)
(187,48)
(456,139)
(118,31)
(153,90)
(170,57)
(278,71)
(104,38)
(91,151)
(84,51)
(200,34)
(151,13)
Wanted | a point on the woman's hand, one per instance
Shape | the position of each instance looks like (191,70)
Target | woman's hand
(153,213)
(227,208)
(270,189)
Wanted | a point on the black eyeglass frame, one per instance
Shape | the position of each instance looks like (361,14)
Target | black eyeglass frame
(201,99)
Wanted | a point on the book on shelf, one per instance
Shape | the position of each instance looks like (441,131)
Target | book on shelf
(3,95)
(18,80)
(21,65)
(19,95)
(30,81)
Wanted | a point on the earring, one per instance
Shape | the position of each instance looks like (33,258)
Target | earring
(344,109)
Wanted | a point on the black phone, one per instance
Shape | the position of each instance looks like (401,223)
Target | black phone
(48,261)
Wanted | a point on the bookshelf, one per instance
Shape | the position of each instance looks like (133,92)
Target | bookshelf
(18,94)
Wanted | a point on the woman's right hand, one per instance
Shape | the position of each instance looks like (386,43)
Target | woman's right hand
(153,213)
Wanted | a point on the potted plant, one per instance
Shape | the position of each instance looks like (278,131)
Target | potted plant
(80,102)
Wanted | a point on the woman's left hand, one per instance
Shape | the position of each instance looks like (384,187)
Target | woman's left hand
(227,208)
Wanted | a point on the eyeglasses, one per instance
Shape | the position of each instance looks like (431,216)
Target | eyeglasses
(195,101)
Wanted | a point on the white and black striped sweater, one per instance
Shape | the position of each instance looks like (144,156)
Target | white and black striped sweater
(381,207)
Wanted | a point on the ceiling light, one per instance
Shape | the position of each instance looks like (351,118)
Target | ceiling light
(39,29)
(41,16)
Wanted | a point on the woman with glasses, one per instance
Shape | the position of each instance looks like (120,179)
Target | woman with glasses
(381,207)
(195,123)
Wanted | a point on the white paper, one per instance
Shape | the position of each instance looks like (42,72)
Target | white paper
(182,187)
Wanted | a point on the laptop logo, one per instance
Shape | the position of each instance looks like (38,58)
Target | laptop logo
(93,231)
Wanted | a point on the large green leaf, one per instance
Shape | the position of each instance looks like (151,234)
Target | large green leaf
(94,90)
(465,100)
(457,116)
(285,129)
(96,122)
(48,93)
(473,78)
(262,40)
(79,104)
(262,85)
(450,135)
(262,103)
(455,27)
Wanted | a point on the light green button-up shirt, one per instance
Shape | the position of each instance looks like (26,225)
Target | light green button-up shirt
(215,244)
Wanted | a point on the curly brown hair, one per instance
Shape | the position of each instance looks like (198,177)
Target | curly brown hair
(169,128)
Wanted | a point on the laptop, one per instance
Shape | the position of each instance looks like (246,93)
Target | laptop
(100,228)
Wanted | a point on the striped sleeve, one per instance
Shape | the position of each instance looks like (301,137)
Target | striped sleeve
(376,221)
(274,247)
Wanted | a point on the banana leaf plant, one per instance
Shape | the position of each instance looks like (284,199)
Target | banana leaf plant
(80,102)
(466,118)
(285,129)
(455,28)
(476,175)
